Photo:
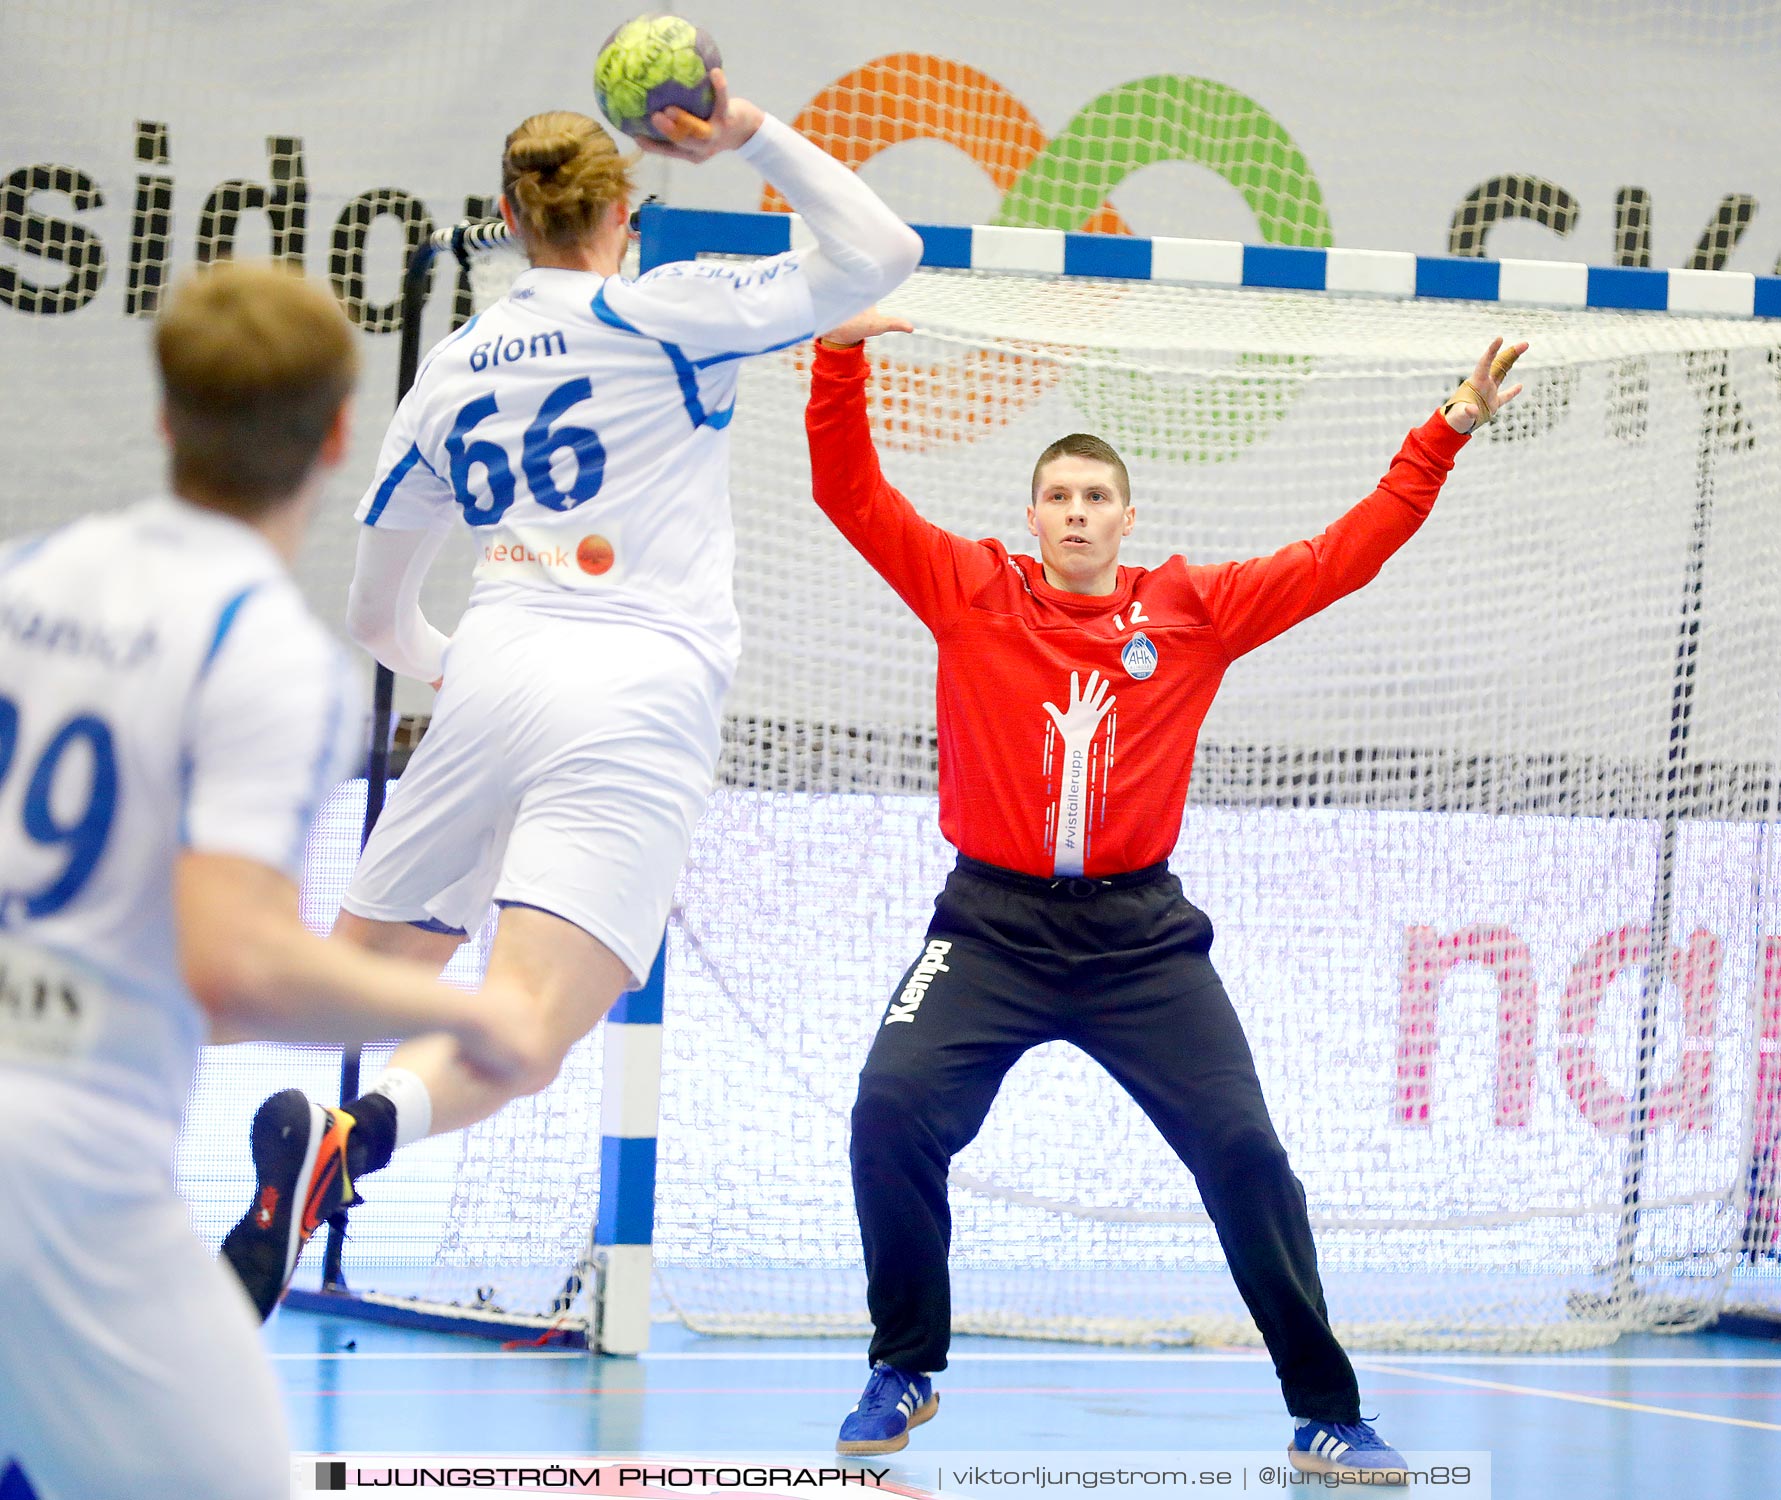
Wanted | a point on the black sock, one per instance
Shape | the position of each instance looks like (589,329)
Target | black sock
(374,1136)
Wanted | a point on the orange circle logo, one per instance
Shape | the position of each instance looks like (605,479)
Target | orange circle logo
(594,554)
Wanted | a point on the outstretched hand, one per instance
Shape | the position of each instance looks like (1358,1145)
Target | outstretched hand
(1480,395)
(688,138)
(1090,702)
(866,325)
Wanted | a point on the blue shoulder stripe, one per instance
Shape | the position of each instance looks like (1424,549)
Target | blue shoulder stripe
(603,311)
(443,346)
(718,359)
(398,472)
(225,622)
(685,371)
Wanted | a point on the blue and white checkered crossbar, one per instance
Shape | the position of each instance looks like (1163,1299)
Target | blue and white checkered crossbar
(684,233)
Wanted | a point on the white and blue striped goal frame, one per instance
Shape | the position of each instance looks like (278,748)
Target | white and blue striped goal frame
(623,1230)
(671,234)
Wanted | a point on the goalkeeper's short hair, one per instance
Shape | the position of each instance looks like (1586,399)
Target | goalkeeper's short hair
(1085,445)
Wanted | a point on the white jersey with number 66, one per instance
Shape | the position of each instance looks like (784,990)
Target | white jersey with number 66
(580,429)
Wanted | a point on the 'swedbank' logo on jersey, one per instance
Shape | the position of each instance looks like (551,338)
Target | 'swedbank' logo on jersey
(1139,656)
(593,555)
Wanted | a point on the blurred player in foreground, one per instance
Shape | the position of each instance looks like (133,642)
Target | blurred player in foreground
(171,716)
(1041,935)
(579,428)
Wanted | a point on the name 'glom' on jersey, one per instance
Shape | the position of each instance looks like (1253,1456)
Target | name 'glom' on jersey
(163,687)
(579,428)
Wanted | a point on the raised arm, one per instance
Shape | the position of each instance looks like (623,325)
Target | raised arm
(1252,602)
(862,251)
(934,572)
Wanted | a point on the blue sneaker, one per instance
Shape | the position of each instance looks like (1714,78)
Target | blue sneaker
(1345,1448)
(890,1405)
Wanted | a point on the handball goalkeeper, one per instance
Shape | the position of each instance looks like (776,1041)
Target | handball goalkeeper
(1062,921)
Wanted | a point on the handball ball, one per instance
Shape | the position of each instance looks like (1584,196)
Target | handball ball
(651,63)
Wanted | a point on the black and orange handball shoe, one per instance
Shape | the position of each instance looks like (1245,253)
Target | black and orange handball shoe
(299,1151)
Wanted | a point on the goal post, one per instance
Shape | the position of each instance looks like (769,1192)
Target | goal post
(1491,846)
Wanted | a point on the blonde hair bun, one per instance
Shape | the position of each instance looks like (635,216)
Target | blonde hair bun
(560,173)
(545,153)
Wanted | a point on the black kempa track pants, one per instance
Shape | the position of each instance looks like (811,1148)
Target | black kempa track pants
(1120,969)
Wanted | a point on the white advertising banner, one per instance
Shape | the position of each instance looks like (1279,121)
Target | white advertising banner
(132,134)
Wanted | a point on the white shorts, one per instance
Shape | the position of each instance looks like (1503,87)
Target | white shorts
(566,767)
(130,1360)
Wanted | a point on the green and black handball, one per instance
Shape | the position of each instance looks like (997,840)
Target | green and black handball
(655,63)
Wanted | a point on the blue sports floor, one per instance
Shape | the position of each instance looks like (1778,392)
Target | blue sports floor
(1697,1416)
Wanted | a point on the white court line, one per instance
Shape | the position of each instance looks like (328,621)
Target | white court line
(1581,1400)
(355,1354)
(849,1356)
(1606,1361)
(1135,1356)
(973,1357)
(1097,1356)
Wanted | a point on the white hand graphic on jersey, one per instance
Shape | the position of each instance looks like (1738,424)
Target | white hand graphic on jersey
(1077,726)
(1087,709)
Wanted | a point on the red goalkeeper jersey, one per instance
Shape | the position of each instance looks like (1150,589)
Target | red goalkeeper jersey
(1068,723)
